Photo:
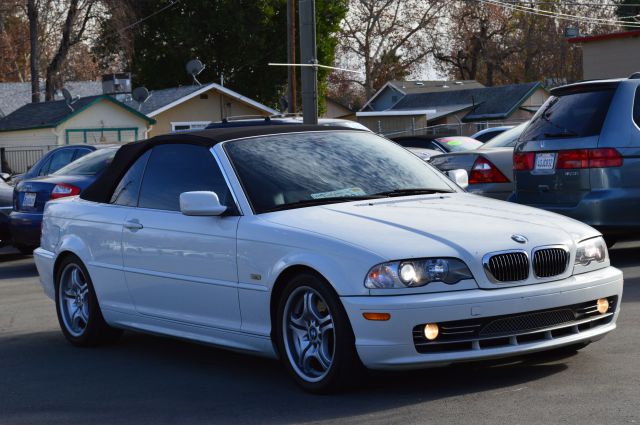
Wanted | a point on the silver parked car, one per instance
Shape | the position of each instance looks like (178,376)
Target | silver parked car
(489,133)
(580,156)
(490,167)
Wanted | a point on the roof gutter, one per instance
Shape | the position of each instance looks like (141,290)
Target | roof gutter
(396,113)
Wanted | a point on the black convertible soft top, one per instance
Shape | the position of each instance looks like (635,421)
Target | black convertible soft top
(105,184)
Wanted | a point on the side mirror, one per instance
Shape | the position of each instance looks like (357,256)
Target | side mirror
(459,177)
(201,204)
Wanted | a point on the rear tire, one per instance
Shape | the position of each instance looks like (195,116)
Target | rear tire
(77,307)
(314,336)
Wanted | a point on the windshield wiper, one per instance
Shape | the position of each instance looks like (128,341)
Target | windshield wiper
(321,201)
(408,192)
(560,135)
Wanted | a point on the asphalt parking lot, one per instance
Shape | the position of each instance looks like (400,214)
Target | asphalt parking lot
(153,380)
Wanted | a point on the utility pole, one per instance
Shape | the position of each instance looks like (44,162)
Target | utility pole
(308,56)
(32,13)
(291,55)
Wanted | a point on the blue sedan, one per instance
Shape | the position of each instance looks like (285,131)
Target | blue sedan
(30,196)
(53,160)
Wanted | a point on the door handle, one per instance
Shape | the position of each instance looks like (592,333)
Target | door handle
(133,225)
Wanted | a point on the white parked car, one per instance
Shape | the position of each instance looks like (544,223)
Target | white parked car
(328,248)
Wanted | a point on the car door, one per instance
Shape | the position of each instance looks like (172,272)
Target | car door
(178,267)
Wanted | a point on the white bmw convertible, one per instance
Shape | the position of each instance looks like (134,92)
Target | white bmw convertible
(331,249)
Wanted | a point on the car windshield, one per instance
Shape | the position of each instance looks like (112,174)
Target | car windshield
(89,165)
(579,114)
(458,144)
(303,169)
(507,138)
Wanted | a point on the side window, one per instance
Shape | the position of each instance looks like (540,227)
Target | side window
(127,191)
(81,152)
(44,168)
(636,108)
(174,169)
(60,159)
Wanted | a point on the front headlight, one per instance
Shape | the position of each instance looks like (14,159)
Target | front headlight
(417,272)
(591,254)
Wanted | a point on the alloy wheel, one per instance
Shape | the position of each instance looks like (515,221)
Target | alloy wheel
(309,334)
(73,297)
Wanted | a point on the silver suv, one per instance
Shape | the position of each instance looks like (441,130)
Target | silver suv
(580,156)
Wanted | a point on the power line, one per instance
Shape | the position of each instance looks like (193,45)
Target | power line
(148,17)
(549,3)
(561,16)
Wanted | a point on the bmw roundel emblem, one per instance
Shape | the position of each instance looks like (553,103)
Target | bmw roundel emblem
(519,238)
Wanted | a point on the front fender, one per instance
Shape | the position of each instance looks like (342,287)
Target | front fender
(346,278)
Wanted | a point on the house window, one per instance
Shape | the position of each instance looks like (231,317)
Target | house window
(189,125)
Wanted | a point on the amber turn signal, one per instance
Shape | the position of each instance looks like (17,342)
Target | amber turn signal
(603,305)
(381,317)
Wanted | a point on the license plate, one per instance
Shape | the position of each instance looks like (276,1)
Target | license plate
(545,161)
(29,199)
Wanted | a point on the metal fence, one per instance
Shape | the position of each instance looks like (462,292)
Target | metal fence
(444,130)
(18,159)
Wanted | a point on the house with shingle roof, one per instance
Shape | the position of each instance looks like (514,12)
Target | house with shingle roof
(394,90)
(193,107)
(470,109)
(91,119)
(15,95)
(174,108)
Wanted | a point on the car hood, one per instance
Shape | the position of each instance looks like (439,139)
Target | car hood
(456,225)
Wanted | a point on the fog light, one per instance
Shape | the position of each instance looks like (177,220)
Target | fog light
(603,305)
(431,331)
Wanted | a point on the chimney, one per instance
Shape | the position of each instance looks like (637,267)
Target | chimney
(117,85)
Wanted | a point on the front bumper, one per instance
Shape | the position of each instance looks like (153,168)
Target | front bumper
(25,228)
(390,344)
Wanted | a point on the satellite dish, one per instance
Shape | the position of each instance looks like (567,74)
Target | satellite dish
(140,95)
(195,67)
(69,98)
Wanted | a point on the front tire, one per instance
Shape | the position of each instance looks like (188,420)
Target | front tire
(77,307)
(314,336)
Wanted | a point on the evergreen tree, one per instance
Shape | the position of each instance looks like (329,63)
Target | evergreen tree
(235,39)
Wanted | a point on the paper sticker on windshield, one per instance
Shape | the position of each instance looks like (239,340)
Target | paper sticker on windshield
(454,142)
(351,191)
